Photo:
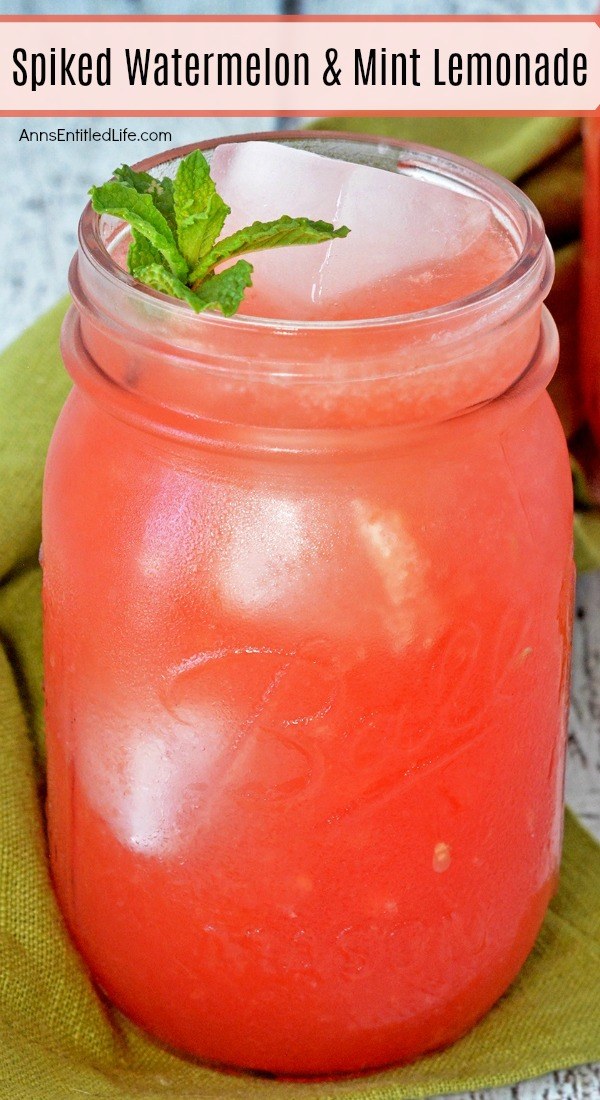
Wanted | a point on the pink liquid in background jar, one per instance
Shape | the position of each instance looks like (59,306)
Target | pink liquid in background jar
(590,284)
(308,592)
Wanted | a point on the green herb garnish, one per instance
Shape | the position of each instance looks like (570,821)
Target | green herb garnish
(175,228)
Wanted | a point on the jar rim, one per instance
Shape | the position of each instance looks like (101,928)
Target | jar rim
(531,263)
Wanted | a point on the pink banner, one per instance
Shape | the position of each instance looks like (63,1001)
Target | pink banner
(257,65)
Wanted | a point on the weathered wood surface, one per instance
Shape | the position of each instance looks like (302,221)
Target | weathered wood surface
(45,189)
(311,7)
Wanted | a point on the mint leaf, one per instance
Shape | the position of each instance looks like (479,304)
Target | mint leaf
(160,278)
(123,201)
(260,235)
(140,181)
(224,291)
(160,191)
(141,254)
(199,211)
(145,184)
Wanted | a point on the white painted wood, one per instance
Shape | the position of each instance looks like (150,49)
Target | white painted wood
(449,7)
(45,189)
(311,7)
(139,7)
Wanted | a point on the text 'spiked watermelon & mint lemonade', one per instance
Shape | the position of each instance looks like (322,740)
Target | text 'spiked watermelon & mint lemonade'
(308,588)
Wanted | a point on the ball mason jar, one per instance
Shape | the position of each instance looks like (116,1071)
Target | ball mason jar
(307,592)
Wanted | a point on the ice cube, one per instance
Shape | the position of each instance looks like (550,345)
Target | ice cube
(410,611)
(401,226)
(141,775)
(262,563)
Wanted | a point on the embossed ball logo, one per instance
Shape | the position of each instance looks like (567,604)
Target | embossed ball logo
(270,705)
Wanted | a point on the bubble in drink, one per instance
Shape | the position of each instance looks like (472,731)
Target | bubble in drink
(411,245)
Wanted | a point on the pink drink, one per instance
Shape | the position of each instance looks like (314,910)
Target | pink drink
(307,594)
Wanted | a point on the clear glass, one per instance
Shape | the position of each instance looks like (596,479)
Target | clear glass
(307,594)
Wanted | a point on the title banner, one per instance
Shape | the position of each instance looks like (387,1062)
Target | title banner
(254,65)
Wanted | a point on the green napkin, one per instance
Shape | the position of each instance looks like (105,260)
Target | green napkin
(58,1037)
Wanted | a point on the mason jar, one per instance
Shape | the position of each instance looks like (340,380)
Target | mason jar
(307,595)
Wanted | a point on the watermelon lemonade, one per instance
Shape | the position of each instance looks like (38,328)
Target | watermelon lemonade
(307,591)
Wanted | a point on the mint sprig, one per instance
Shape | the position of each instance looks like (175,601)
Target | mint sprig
(260,235)
(161,191)
(144,217)
(224,291)
(175,226)
(199,211)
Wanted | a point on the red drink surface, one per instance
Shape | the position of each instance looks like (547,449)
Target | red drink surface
(306,715)
(483,262)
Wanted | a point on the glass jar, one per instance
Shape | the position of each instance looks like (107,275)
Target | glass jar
(307,592)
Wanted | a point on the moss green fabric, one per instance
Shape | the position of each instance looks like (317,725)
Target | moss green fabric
(58,1037)
(511,146)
